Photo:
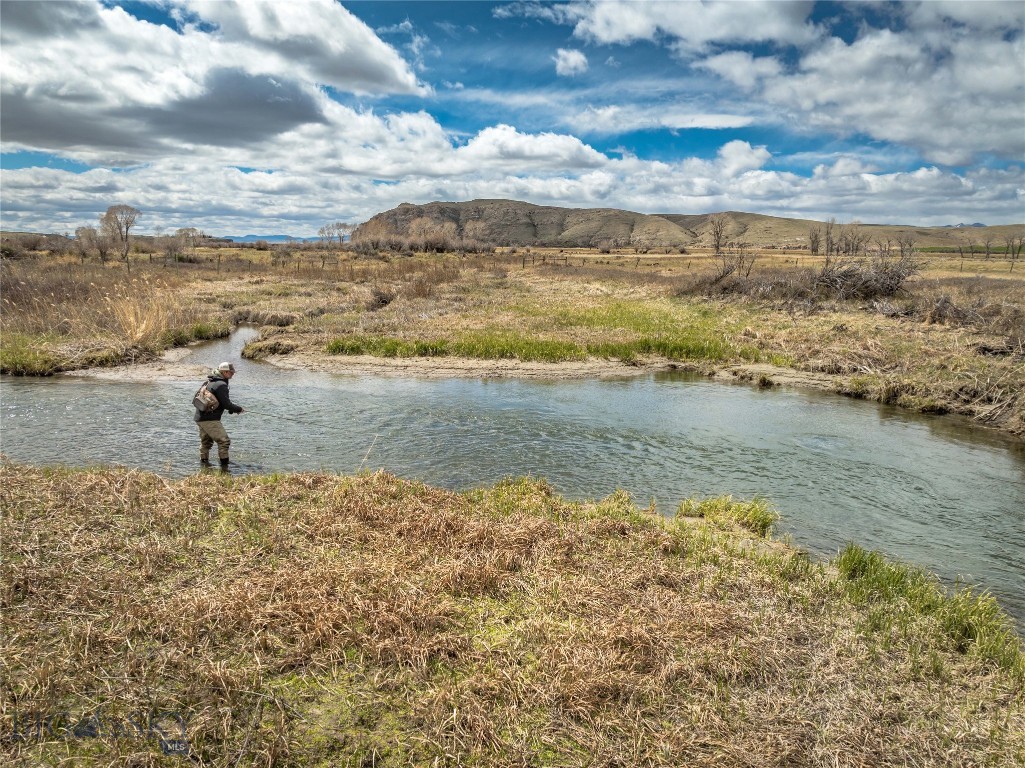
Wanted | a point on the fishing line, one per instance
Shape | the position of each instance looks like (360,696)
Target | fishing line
(321,426)
(297,421)
(367,454)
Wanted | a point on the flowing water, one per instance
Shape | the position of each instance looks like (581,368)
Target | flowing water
(935,491)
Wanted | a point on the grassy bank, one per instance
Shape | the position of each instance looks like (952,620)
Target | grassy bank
(945,345)
(64,316)
(353,621)
(946,342)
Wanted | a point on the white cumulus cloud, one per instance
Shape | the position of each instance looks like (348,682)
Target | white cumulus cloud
(99,85)
(741,67)
(569,62)
(615,119)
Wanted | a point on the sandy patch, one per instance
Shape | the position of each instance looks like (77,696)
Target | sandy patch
(449,367)
(175,366)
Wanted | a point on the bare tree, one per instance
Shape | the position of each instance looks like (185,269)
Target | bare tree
(814,239)
(172,246)
(852,239)
(475,236)
(906,243)
(830,241)
(420,230)
(371,235)
(962,244)
(117,223)
(105,237)
(341,229)
(85,241)
(190,238)
(717,229)
(987,243)
(326,233)
(1015,243)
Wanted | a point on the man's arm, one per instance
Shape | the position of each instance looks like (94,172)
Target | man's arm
(221,392)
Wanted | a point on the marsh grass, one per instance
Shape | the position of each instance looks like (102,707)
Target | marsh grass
(756,515)
(58,317)
(913,601)
(949,343)
(306,619)
(613,330)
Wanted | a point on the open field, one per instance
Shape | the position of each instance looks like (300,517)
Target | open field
(353,621)
(951,339)
(317,620)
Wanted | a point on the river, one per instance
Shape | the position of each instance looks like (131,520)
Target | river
(935,491)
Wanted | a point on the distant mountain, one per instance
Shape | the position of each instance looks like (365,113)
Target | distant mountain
(962,226)
(512,222)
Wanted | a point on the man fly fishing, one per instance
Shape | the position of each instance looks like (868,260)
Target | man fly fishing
(209,409)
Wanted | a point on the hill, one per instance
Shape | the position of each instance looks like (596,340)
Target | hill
(512,222)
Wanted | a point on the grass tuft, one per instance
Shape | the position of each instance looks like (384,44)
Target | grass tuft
(906,597)
(755,515)
(23,355)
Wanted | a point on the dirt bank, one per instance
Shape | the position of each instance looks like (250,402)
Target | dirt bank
(175,365)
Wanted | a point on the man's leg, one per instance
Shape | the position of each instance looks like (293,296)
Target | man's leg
(205,444)
(214,431)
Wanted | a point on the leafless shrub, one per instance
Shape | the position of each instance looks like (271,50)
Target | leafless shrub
(58,245)
(380,297)
(944,311)
(861,279)
(12,249)
(774,284)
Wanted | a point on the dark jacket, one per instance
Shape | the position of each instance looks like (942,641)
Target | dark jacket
(219,386)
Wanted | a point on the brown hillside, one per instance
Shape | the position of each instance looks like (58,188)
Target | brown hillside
(511,222)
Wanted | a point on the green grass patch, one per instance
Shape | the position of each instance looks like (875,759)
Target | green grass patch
(200,331)
(899,596)
(755,515)
(23,355)
(387,346)
(673,330)
(498,345)
(482,346)
(651,317)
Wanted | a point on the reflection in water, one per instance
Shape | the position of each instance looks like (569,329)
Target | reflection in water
(933,491)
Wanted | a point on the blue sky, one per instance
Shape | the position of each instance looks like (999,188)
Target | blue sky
(274,117)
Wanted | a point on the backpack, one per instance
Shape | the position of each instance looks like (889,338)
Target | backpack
(205,400)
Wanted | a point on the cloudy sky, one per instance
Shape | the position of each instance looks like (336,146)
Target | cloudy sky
(279,117)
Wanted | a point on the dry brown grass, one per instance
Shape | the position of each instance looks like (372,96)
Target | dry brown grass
(315,620)
(947,342)
(62,315)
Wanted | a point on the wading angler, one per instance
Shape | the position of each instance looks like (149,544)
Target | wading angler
(211,401)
